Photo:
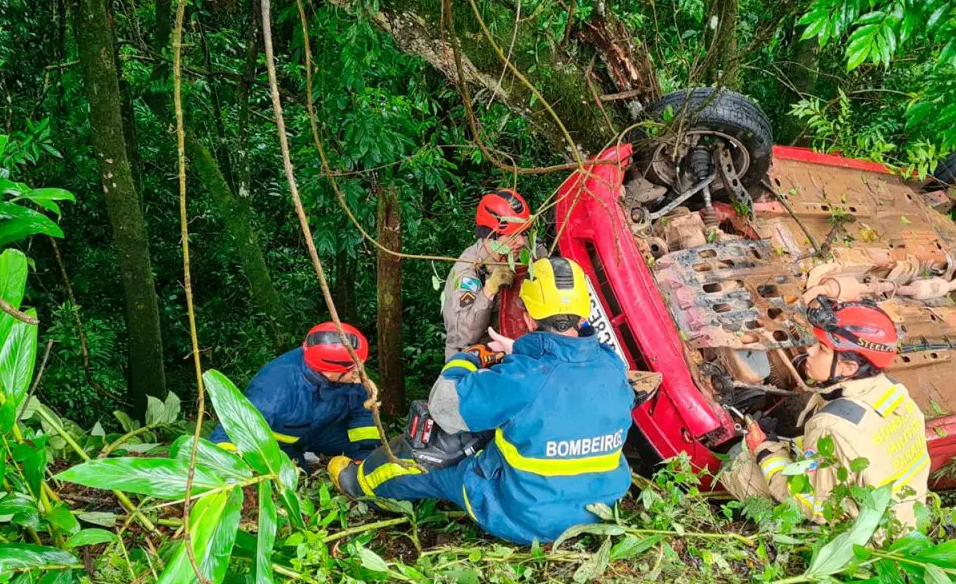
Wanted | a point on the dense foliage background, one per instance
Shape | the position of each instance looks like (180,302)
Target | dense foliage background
(872,79)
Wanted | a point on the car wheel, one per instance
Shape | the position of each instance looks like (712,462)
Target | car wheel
(697,118)
(945,173)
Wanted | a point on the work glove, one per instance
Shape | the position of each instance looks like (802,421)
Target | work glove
(755,435)
(501,277)
(485,355)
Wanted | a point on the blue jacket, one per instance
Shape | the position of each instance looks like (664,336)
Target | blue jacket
(307,412)
(561,408)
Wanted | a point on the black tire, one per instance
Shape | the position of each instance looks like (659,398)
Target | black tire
(945,173)
(707,109)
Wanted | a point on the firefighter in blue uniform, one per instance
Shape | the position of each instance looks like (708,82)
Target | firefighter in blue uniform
(559,410)
(311,399)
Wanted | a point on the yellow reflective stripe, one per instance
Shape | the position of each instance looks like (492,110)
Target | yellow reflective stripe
(810,502)
(285,438)
(385,472)
(905,476)
(773,465)
(556,467)
(468,508)
(889,401)
(363,433)
(459,363)
(227,446)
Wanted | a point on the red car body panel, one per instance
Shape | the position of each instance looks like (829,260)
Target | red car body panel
(596,235)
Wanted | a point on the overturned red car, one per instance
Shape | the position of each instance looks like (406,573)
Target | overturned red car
(701,239)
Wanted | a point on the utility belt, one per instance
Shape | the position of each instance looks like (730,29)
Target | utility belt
(431,446)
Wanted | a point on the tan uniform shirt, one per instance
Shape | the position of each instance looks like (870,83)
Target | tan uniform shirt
(466,310)
(875,419)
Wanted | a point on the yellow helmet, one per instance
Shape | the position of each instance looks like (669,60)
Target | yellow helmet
(558,287)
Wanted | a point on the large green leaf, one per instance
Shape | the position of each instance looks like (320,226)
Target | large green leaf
(92,536)
(210,455)
(591,528)
(46,198)
(249,431)
(213,522)
(835,555)
(243,423)
(157,477)
(18,222)
(25,555)
(13,281)
(267,534)
(31,456)
(593,568)
(17,358)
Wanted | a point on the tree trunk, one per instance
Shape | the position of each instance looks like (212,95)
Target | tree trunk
(344,293)
(720,39)
(95,44)
(238,220)
(234,212)
(391,361)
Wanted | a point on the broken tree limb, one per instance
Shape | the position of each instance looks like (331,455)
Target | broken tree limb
(629,67)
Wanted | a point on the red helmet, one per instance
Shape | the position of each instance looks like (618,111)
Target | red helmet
(855,327)
(503,212)
(324,351)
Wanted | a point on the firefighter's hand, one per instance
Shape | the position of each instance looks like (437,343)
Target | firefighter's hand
(501,277)
(485,354)
(500,342)
(755,436)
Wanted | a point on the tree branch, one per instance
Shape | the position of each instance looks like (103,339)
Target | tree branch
(21,316)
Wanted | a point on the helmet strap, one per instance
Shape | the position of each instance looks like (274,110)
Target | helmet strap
(864,368)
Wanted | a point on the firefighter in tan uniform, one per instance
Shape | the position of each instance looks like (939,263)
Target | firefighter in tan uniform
(470,298)
(864,412)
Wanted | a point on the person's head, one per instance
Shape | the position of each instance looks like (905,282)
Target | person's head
(556,298)
(856,340)
(503,216)
(326,355)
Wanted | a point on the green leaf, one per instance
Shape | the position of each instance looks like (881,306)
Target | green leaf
(594,567)
(244,425)
(436,282)
(157,477)
(904,220)
(943,555)
(249,431)
(859,464)
(17,358)
(13,282)
(213,523)
(18,222)
(861,45)
(631,546)
(798,468)
(267,534)
(61,517)
(32,458)
(371,560)
(50,194)
(102,518)
(173,406)
(91,536)
(16,503)
(939,15)
(592,528)
(602,511)
(155,411)
(125,421)
(25,555)
(936,575)
(835,555)
(825,447)
(208,454)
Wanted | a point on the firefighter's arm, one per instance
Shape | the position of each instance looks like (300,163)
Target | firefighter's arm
(772,457)
(467,398)
(467,310)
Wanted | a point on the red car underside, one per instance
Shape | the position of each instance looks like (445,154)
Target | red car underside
(595,230)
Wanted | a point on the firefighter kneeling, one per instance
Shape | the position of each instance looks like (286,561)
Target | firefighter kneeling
(864,412)
(558,408)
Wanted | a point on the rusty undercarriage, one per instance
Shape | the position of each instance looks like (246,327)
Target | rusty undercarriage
(737,283)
